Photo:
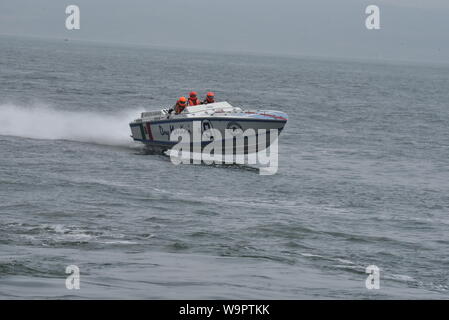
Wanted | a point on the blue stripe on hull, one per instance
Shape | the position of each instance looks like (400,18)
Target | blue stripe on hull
(214,119)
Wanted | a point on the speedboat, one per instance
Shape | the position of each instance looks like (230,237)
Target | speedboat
(155,128)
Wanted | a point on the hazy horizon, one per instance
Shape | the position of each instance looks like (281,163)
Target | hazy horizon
(413,30)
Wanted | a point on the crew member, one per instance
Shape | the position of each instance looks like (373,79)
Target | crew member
(210,98)
(180,105)
(193,99)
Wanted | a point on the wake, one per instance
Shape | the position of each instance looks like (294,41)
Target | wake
(44,122)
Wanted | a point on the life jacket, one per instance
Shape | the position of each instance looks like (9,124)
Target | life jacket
(207,101)
(178,108)
(194,102)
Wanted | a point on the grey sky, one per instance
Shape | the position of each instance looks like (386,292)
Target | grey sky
(410,29)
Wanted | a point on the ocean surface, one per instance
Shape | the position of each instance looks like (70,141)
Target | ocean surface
(363,178)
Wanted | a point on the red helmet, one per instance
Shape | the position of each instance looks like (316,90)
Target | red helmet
(182,101)
(210,95)
(193,94)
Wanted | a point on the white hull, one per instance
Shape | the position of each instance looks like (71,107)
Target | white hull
(154,128)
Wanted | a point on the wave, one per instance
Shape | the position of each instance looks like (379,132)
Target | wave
(44,122)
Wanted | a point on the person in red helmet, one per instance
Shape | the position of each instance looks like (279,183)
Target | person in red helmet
(210,98)
(193,99)
(180,105)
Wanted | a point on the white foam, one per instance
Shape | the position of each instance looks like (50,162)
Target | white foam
(44,122)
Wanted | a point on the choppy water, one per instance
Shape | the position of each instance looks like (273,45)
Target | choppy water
(363,178)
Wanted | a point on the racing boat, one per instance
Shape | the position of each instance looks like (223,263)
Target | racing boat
(155,128)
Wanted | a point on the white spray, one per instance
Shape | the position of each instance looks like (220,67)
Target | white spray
(43,122)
